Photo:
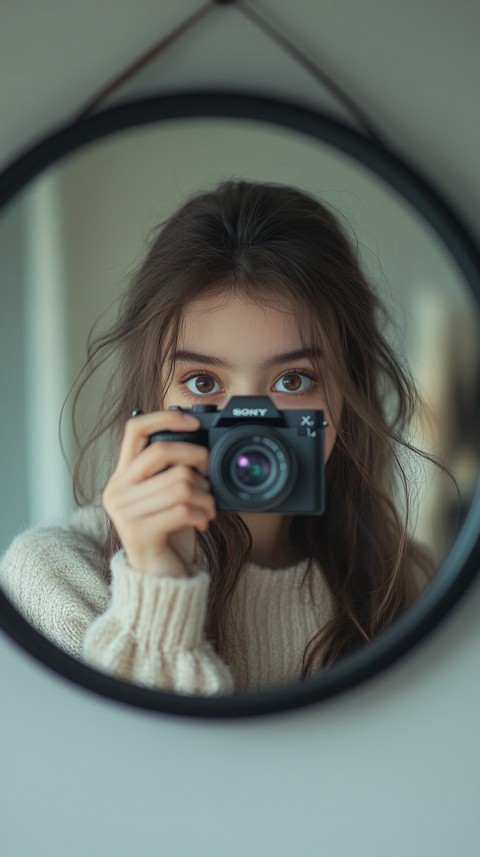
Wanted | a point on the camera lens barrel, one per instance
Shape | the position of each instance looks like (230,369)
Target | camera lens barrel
(252,470)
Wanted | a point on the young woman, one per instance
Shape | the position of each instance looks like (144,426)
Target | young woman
(252,289)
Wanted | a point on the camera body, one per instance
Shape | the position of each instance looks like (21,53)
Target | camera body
(261,459)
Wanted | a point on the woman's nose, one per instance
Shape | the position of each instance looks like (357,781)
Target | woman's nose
(249,389)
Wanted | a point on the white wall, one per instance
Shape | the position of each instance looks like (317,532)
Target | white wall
(391,768)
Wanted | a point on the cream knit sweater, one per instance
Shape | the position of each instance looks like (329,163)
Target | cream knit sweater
(150,630)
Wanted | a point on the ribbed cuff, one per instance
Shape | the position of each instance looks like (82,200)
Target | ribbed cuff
(164,612)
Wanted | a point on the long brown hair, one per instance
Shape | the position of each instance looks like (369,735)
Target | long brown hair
(262,240)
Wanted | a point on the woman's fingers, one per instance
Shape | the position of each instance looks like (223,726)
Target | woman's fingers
(158,489)
(167,454)
(152,496)
(180,516)
(138,429)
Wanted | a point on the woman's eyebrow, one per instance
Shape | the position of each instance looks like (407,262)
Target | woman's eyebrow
(184,356)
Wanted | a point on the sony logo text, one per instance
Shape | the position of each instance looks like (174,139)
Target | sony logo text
(249,412)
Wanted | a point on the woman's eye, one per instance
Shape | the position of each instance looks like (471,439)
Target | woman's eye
(201,384)
(293,382)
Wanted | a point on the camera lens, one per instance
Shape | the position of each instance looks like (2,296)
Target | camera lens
(252,468)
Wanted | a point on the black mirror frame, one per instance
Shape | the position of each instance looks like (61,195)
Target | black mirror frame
(463,561)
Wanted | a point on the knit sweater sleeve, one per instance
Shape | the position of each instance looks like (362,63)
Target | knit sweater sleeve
(152,632)
(139,627)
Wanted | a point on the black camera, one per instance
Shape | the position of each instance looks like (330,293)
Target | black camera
(261,459)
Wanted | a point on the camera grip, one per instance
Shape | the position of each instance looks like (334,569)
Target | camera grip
(198,437)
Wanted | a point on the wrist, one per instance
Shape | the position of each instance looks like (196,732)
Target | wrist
(158,566)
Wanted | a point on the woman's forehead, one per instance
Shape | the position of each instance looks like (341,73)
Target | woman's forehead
(240,328)
(236,312)
(259,296)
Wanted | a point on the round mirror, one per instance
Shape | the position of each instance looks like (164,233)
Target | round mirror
(79,211)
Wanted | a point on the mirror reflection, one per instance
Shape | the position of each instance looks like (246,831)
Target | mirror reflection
(262,538)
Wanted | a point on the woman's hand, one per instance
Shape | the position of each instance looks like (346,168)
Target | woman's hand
(154,497)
